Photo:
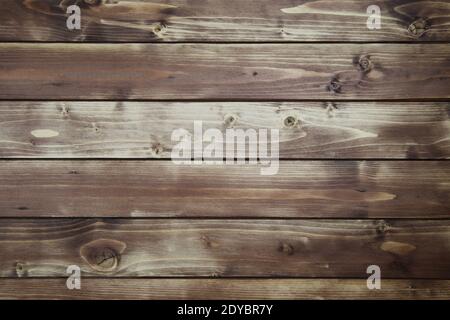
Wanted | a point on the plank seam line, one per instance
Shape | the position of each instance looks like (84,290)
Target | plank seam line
(232,218)
(217,278)
(422,42)
(165,160)
(209,100)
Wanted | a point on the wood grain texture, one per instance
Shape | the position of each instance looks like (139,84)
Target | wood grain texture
(143,130)
(144,229)
(225,248)
(231,20)
(335,189)
(224,289)
(225,72)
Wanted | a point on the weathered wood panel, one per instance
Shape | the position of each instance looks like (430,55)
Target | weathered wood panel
(367,189)
(231,20)
(223,289)
(226,72)
(225,248)
(143,130)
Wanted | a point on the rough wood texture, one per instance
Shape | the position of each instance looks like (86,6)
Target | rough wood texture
(251,72)
(380,101)
(231,20)
(225,248)
(223,289)
(143,130)
(335,189)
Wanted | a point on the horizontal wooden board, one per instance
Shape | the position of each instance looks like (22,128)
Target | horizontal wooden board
(224,71)
(335,189)
(144,130)
(231,20)
(225,248)
(224,289)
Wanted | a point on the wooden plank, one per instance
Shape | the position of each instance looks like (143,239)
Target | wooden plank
(232,20)
(224,289)
(226,72)
(225,248)
(334,189)
(143,130)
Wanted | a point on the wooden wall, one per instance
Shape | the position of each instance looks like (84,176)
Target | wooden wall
(86,179)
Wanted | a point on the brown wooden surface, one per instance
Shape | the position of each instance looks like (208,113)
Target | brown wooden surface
(334,189)
(226,289)
(226,72)
(91,182)
(329,130)
(230,21)
(225,248)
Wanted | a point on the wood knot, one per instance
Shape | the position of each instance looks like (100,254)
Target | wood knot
(364,64)
(230,120)
(330,108)
(159,29)
(290,122)
(21,270)
(103,255)
(157,149)
(382,227)
(95,127)
(286,248)
(64,111)
(334,86)
(208,243)
(418,27)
